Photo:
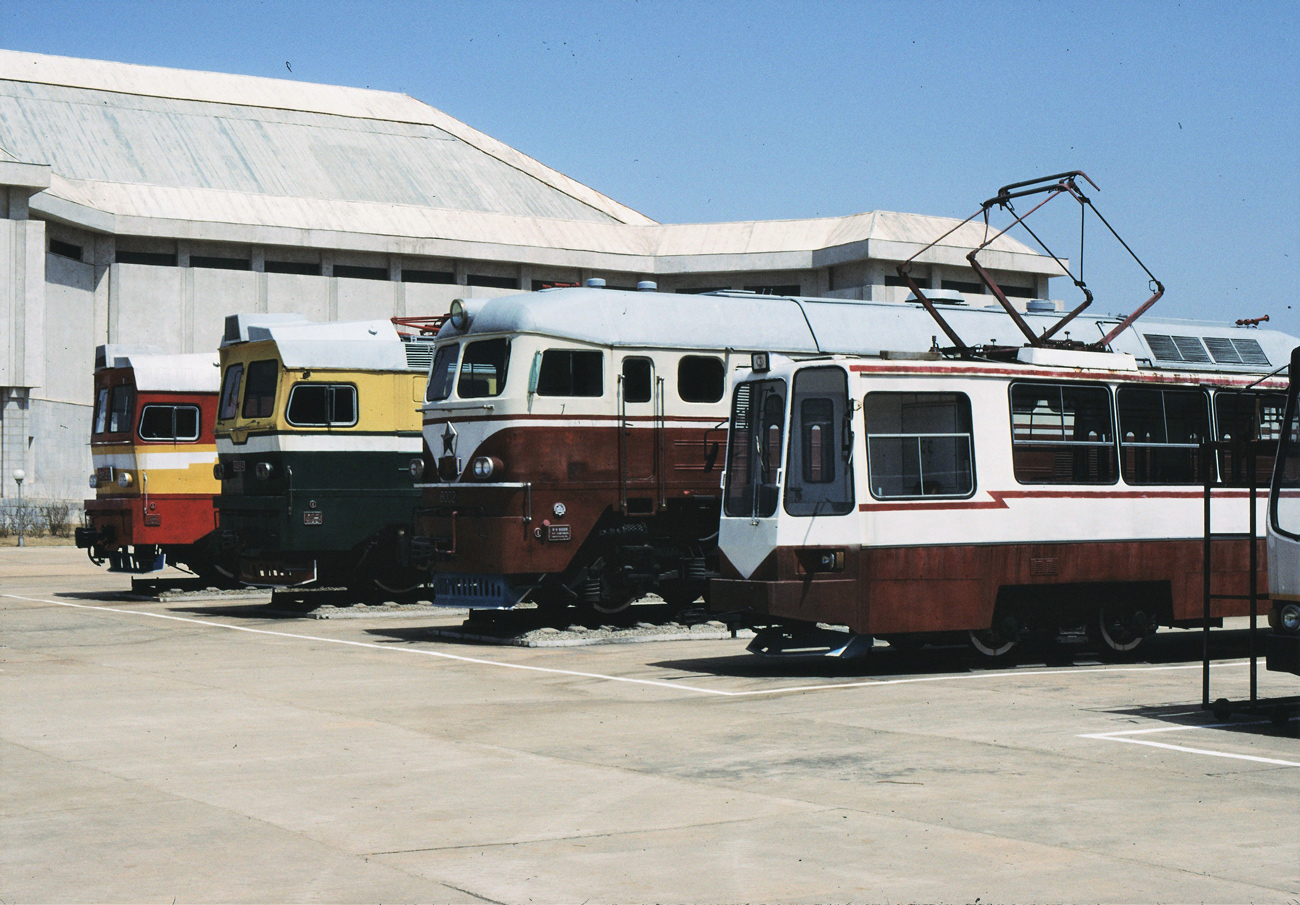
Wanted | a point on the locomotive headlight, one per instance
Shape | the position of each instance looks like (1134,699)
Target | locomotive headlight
(1290,618)
(94,481)
(124,479)
(459,316)
(263,470)
(416,468)
(219,471)
(484,467)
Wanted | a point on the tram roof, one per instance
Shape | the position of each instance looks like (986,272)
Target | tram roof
(158,373)
(372,345)
(748,321)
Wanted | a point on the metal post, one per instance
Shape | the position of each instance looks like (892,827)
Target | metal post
(1205,562)
(19,475)
(1254,577)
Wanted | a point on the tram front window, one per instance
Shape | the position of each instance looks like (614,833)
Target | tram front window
(443,373)
(754,449)
(819,480)
(1286,481)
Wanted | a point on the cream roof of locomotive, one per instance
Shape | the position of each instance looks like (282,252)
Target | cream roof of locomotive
(749,322)
(348,346)
(192,373)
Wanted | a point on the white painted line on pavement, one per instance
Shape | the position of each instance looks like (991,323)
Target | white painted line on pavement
(795,689)
(1122,736)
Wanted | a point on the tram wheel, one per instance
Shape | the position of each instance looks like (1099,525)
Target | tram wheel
(991,643)
(1122,629)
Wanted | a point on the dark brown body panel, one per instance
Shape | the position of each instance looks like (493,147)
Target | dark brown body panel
(902,590)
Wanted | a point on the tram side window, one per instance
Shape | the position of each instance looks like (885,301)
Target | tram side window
(700,378)
(483,369)
(571,372)
(1246,417)
(121,409)
(259,395)
(638,380)
(169,423)
(230,392)
(754,448)
(1160,434)
(1286,496)
(919,445)
(442,376)
(101,410)
(1062,434)
(322,405)
(819,479)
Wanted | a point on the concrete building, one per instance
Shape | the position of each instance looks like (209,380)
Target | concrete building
(142,205)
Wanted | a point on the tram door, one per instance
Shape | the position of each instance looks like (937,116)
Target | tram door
(640,405)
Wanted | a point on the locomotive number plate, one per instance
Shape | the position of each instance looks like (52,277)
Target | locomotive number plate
(104,473)
(559,532)
(237,466)
(313,518)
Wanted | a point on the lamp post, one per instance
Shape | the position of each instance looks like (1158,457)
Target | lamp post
(19,474)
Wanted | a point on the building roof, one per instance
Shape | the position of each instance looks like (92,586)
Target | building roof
(148,151)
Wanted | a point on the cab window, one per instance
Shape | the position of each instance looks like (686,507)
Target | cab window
(700,378)
(442,376)
(571,372)
(230,392)
(819,479)
(322,405)
(483,369)
(919,445)
(1285,496)
(176,423)
(121,409)
(259,395)
(101,410)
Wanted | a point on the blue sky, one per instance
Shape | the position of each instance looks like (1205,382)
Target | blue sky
(1187,115)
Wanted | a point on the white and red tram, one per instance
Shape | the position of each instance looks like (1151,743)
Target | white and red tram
(1054,491)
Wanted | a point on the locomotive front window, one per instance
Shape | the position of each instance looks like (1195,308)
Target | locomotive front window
(442,376)
(169,423)
(1062,434)
(700,378)
(1247,417)
(919,445)
(819,480)
(1160,434)
(483,369)
(322,405)
(259,395)
(101,411)
(230,392)
(754,448)
(121,409)
(571,372)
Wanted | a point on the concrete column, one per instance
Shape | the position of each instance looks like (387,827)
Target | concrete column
(461,271)
(399,288)
(103,250)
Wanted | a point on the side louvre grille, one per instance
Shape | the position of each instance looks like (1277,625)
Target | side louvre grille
(419,355)
(742,406)
(1250,352)
(1222,349)
(1191,348)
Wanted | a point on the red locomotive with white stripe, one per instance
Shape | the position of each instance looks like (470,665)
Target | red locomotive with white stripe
(153,449)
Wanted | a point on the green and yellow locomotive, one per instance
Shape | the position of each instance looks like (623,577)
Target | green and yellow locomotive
(317,425)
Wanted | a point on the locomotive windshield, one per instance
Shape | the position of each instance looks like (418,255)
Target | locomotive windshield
(442,376)
(754,448)
(1286,476)
(483,369)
